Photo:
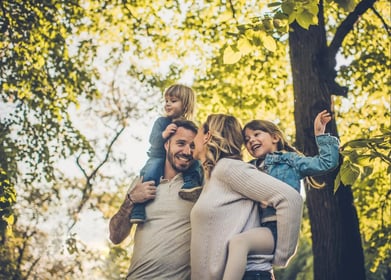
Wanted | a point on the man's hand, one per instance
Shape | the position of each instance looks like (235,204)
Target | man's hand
(320,122)
(140,192)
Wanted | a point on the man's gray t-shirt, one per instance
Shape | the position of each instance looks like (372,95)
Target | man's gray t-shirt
(162,244)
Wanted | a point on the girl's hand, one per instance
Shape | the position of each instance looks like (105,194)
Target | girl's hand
(170,129)
(320,122)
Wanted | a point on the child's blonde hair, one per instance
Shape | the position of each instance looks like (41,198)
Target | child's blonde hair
(186,95)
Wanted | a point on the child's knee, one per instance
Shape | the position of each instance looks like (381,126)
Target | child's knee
(237,241)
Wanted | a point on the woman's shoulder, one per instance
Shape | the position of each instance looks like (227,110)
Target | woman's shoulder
(232,164)
(229,161)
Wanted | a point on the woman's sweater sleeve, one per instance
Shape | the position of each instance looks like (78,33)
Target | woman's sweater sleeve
(258,186)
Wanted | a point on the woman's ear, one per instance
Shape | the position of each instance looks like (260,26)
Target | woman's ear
(207,137)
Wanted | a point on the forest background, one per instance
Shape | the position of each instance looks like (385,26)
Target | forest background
(82,81)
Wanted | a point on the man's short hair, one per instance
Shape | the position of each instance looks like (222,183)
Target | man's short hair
(186,124)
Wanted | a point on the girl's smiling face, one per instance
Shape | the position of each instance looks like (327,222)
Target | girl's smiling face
(259,143)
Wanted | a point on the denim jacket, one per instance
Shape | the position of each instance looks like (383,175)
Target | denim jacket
(156,150)
(291,167)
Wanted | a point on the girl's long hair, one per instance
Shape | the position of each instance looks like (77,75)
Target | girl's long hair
(282,145)
(186,95)
(225,140)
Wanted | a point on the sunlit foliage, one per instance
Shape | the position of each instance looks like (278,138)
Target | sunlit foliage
(109,62)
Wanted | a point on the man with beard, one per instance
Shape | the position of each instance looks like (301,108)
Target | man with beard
(161,244)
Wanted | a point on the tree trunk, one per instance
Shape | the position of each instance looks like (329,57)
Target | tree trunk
(337,249)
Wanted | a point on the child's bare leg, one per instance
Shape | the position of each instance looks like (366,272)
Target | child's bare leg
(259,240)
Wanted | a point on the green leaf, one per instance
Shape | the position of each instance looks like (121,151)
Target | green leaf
(349,173)
(244,46)
(351,154)
(292,17)
(225,16)
(313,9)
(274,4)
(362,143)
(287,7)
(305,19)
(269,43)
(230,56)
(347,5)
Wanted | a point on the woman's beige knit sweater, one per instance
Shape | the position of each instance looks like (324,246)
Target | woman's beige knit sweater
(228,205)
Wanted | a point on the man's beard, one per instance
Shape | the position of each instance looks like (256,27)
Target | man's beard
(171,160)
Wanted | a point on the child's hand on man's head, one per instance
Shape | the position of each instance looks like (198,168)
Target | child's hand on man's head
(170,129)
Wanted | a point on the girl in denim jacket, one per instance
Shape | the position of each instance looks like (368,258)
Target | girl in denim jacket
(273,155)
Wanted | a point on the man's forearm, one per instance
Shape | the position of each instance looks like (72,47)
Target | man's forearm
(138,193)
(120,224)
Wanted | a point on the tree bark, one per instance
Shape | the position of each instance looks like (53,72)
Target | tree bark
(337,249)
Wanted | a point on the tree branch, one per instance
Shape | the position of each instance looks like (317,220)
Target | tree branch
(347,25)
(86,191)
(26,236)
(81,167)
(382,157)
(118,133)
(232,9)
(35,262)
(386,27)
